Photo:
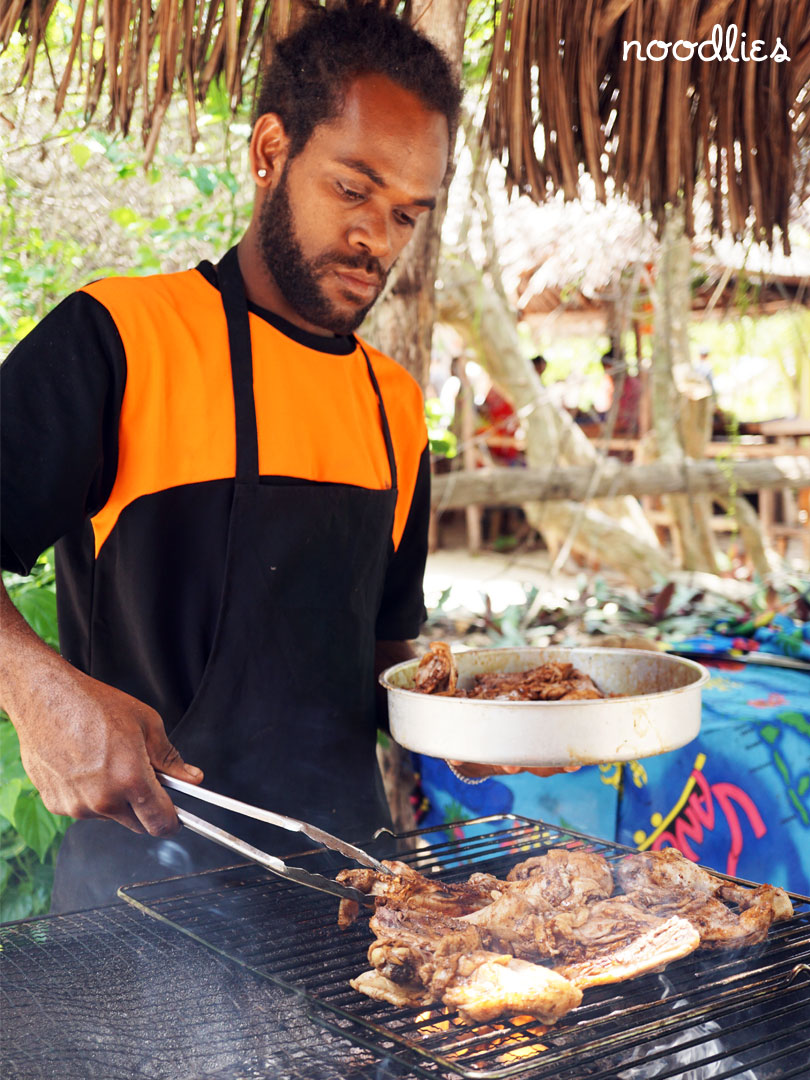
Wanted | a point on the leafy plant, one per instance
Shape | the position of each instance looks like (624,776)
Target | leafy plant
(76,205)
(442,440)
(29,834)
(29,837)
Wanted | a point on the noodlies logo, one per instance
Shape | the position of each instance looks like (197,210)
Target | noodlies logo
(720,46)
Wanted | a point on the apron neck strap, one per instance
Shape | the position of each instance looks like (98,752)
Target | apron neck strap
(234,301)
(389,445)
(236,315)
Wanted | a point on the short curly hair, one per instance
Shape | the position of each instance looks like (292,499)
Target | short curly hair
(310,69)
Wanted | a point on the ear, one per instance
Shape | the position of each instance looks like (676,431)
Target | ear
(269,148)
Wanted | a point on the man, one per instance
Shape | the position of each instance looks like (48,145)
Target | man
(237,486)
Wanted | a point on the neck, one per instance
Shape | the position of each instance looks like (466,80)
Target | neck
(261,288)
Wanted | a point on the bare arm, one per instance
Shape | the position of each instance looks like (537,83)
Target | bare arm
(89,749)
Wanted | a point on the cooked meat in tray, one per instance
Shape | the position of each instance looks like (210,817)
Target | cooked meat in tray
(437,673)
(544,707)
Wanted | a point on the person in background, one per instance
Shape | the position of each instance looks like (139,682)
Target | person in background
(625,395)
(704,367)
(540,364)
(501,422)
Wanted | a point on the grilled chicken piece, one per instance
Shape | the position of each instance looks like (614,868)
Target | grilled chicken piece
(669,872)
(436,672)
(422,957)
(376,986)
(583,690)
(666,882)
(414,947)
(409,887)
(570,878)
(557,880)
(554,681)
(485,987)
(650,951)
(547,884)
(718,926)
(610,938)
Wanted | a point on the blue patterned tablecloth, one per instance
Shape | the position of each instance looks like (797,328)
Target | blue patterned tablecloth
(736,799)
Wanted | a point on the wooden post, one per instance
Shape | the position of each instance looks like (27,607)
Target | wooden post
(469,453)
(692,535)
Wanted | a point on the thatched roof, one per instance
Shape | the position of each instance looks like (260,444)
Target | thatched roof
(563,99)
(566,260)
(567,96)
(154,50)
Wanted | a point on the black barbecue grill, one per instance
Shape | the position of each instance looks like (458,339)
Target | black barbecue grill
(712,1014)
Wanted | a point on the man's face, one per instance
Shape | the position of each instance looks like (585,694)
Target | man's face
(341,211)
(299,278)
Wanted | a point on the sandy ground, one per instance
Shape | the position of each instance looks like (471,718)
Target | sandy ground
(504,577)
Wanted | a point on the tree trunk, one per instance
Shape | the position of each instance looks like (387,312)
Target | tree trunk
(616,529)
(765,561)
(506,487)
(691,518)
(401,324)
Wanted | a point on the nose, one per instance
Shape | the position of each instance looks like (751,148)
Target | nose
(370,232)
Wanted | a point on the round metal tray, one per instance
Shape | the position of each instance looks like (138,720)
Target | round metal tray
(654,707)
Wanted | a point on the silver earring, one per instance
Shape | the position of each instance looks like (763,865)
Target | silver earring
(262,173)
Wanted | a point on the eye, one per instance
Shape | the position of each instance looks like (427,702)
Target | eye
(348,193)
(404,219)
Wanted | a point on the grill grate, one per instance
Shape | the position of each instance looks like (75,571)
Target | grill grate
(744,1013)
(107,994)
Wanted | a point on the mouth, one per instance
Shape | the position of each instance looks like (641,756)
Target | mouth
(357,284)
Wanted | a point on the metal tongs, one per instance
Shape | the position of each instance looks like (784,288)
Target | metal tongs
(272,862)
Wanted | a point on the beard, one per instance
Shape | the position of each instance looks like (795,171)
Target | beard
(298,278)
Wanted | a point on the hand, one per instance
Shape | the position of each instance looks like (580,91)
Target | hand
(92,751)
(474,770)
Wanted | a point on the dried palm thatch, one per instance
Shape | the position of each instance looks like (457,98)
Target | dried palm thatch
(564,98)
(152,49)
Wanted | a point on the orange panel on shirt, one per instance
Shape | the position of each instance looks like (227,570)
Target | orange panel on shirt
(317,414)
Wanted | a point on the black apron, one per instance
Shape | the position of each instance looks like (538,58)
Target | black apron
(284,715)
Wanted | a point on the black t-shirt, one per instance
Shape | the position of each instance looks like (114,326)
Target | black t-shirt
(118,444)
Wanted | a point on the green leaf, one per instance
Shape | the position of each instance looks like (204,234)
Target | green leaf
(217,103)
(38,607)
(204,180)
(230,181)
(147,258)
(16,902)
(12,847)
(41,885)
(10,794)
(10,764)
(81,154)
(24,326)
(35,824)
(124,216)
